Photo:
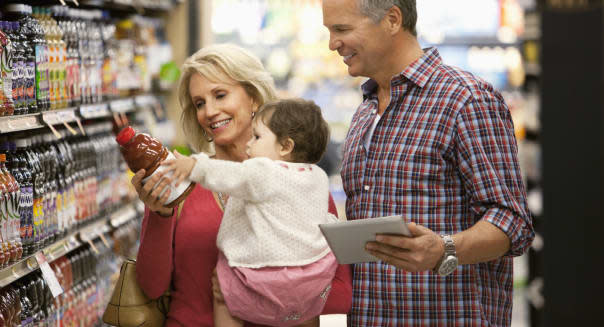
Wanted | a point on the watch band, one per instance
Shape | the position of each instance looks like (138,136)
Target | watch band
(449,250)
(449,245)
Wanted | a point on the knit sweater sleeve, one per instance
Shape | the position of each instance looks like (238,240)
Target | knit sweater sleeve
(154,259)
(253,180)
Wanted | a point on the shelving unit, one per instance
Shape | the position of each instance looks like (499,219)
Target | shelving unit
(130,33)
(69,243)
(10,124)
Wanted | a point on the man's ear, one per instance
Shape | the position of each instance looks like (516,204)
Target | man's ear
(287,147)
(393,20)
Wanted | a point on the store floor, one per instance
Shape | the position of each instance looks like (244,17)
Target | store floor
(520,312)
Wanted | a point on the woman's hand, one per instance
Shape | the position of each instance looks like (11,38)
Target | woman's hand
(216,288)
(150,192)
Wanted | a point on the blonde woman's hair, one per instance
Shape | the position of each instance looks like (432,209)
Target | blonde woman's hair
(219,63)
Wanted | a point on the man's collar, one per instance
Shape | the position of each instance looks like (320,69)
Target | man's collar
(418,72)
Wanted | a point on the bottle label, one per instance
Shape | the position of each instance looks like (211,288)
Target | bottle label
(175,191)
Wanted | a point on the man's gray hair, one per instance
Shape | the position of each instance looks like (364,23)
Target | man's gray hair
(376,10)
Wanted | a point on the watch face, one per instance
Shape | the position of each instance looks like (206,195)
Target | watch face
(448,266)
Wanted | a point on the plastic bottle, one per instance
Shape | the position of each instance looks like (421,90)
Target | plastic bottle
(19,194)
(3,41)
(22,14)
(8,210)
(18,68)
(142,151)
(41,54)
(26,212)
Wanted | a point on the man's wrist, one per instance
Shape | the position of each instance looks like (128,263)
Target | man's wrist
(441,251)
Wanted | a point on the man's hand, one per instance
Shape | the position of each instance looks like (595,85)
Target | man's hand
(420,252)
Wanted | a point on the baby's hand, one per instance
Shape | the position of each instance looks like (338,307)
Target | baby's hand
(181,167)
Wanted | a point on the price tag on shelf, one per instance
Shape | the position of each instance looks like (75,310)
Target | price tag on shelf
(49,275)
(92,247)
(104,240)
(80,126)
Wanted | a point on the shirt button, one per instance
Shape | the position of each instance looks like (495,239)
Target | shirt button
(367,187)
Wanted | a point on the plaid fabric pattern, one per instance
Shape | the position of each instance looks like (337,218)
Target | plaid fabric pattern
(443,155)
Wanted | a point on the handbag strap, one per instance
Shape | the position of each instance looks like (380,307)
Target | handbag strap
(179,210)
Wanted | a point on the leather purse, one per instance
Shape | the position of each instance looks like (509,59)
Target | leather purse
(130,307)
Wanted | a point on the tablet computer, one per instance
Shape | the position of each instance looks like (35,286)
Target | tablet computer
(347,239)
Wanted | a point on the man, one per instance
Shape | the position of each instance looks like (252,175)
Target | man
(436,145)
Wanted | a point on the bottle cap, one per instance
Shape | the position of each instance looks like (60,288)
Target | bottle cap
(125,135)
(2,157)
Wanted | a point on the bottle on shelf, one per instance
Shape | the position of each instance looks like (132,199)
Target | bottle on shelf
(9,189)
(6,93)
(17,67)
(13,235)
(141,151)
(22,14)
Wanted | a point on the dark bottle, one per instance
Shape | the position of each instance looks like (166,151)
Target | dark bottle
(18,74)
(38,193)
(141,151)
(12,164)
(26,307)
(21,14)
(26,210)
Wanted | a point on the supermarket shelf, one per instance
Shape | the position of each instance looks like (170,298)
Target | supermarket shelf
(10,124)
(122,105)
(64,246)
(19,123)
(145,100)
(92,111)
(57,117)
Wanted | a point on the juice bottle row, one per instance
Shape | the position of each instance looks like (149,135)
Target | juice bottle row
(85,277)
(49,186)
(57,57)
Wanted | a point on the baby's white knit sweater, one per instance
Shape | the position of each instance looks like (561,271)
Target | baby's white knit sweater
(273,213)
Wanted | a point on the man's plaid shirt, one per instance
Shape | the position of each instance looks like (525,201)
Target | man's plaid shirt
(443,155)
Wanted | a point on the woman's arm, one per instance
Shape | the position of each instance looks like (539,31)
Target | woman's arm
(154,259)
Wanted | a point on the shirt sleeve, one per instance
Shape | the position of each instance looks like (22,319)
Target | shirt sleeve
(154,259)
(488,163)
(254,179)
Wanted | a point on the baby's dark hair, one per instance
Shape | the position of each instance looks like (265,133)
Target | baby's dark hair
(300,120)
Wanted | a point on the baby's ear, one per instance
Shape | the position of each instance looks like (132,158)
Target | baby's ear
(287,147)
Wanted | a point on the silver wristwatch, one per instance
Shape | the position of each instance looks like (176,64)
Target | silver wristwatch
(448,263)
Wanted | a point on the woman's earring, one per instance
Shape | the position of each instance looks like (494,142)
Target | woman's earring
(253,114)
(209,139)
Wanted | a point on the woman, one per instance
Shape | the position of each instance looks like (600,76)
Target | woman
(221,89)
